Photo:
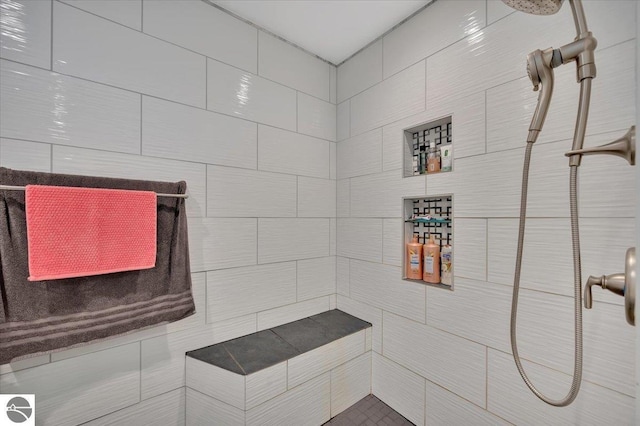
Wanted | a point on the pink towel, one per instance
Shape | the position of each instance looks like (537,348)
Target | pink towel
(76,232)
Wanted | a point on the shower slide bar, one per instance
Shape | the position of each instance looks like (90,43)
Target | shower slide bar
(22,188)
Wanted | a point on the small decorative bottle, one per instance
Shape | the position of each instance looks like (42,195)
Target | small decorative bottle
(433,158)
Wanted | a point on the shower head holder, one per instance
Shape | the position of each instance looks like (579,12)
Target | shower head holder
(624,147)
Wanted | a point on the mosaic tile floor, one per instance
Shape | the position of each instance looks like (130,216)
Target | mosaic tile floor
(369,411)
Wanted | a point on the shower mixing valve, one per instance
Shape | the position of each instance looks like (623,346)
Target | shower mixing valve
(623,284)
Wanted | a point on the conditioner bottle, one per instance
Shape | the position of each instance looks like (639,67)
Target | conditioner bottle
(431,262)
(413,264)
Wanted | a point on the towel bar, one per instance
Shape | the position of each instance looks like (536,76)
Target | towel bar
(22,188)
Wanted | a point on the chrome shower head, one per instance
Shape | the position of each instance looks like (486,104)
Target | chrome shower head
(535,7)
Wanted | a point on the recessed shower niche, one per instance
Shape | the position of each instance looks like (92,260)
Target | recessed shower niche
(428,147)
(428,240)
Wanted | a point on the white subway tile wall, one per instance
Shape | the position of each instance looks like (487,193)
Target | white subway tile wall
(239,291)
(23,155)
(76,390)
(293,312)
(171,91)
(467,59)
(204,136)
(95,49)
(43,106)
(167,409)
(401,388)
(153,90)
(360,72)
(281,62)
(239,93)
(26,32)
(350,383)
(288,152)
(197,26)
(128,13)
(316,117)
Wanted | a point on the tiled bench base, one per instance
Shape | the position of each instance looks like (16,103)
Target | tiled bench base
(301,373)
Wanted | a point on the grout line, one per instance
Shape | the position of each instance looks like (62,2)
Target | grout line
(142,16)
(51,51)
(257,146)
(206,84)
(426,100)
(381,322)
(206,189)
(257,244)
(382,57)
(486,130)
(234,359)
(486,377)
(206,298)
(486,14)
(425,401)
(486,248)
(349,123)
(330,387)
(258,52)
(140,369)
(141,100)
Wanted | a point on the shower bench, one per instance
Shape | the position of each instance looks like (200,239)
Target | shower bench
(302,372)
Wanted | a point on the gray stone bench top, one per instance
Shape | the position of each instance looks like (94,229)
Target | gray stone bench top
(257,351)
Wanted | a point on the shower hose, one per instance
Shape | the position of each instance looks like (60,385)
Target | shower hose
(577,372)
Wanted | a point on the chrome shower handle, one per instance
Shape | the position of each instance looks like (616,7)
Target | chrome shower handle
(623,284)
(614,283)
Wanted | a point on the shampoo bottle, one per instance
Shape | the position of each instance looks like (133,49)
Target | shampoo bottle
(413,264)
(431,262)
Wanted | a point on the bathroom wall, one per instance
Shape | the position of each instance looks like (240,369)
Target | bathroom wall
(443,357)
(175,91)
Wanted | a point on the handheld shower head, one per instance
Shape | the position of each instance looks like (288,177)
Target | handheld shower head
(540,71)
(535,7)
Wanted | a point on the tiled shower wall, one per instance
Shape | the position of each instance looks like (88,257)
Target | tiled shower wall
(176,90)
(443,357)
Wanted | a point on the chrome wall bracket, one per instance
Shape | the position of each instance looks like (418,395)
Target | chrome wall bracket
(624,147)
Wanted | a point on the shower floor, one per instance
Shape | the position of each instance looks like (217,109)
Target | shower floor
(369,411)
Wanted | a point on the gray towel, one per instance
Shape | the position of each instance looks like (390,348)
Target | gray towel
(37,317)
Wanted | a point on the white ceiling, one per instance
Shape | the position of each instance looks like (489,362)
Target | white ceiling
(331,29)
